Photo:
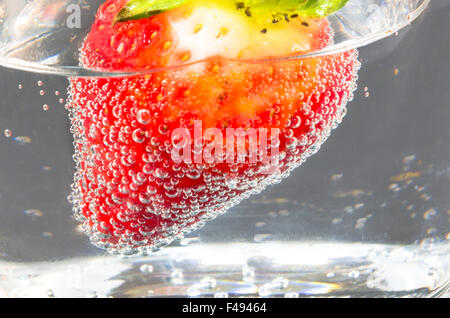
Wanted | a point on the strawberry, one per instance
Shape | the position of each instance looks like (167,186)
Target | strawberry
(130,191)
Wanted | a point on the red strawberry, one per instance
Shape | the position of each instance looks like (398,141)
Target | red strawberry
(130,192)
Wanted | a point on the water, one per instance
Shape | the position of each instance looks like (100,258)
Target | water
(241,269)
(46,35)
(368,215)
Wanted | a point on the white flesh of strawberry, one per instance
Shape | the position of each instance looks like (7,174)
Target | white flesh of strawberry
(207,30)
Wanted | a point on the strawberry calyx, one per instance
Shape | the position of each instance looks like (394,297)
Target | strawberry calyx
(260,9)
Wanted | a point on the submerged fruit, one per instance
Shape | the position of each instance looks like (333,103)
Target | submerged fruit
(135,189)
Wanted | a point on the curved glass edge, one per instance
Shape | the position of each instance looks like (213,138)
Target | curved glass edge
(78,71)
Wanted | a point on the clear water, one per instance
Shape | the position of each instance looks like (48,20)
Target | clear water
(367,216)
(45,35)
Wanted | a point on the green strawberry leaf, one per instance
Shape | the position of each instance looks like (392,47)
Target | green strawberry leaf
(140,9)
(308,8)
(322,8)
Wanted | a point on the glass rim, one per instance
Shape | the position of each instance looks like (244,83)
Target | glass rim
(80,71)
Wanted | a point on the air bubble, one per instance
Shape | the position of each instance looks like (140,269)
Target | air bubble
(337,221)
(33,213)
(146,268)
(194,174)
(176,276)
(248,274)
(360,223)
(337,177)
(394,187)
(280,283)
(7,133)
(354,274)
(47,234)
(258,238)
(143,117)
(429,214)
(231,182)
(409,159)
(265,290)
(208,283)
(431,231)
(138,136)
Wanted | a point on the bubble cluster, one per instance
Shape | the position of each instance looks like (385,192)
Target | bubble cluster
(133,197)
